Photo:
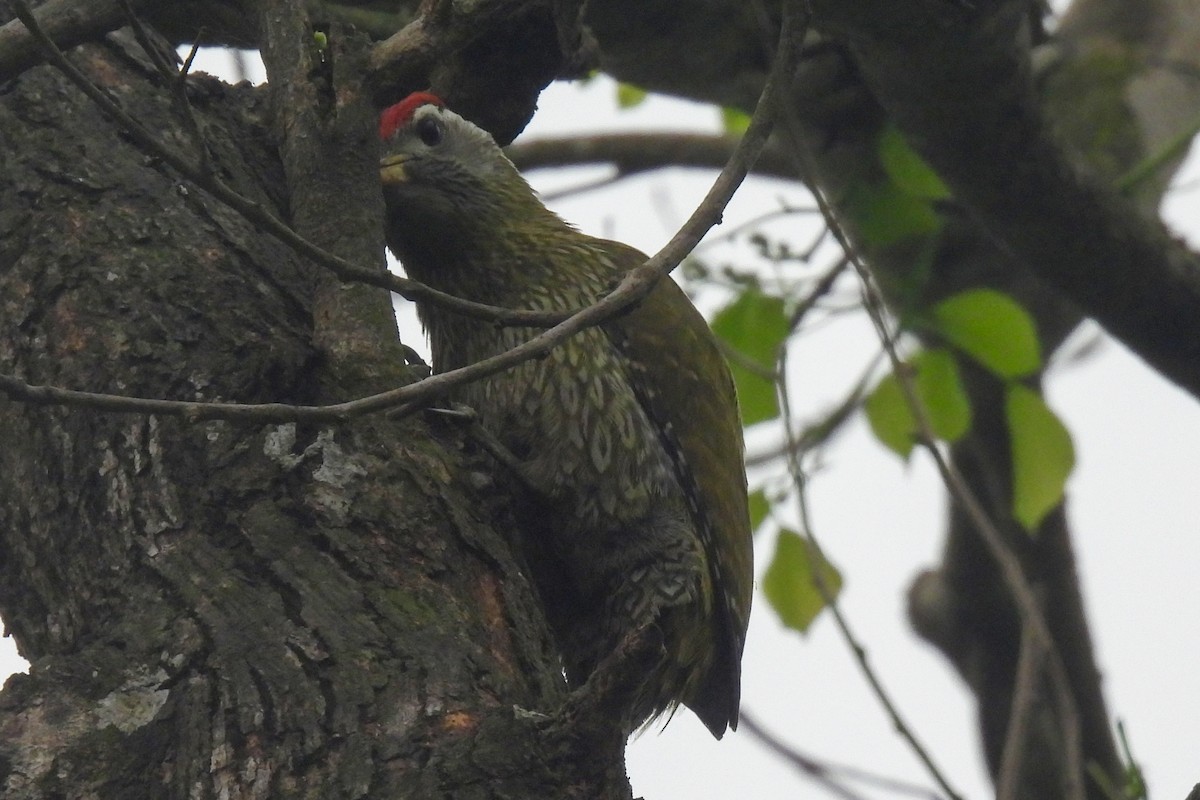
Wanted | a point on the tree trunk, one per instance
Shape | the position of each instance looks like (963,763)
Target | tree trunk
(328,609)
(236,608)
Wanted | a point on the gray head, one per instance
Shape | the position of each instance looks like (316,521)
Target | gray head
(445,180)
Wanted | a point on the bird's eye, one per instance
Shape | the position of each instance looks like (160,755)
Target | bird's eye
(430,131)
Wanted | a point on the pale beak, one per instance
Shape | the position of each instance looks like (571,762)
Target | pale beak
(391,170)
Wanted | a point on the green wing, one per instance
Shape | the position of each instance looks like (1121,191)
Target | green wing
(683,382)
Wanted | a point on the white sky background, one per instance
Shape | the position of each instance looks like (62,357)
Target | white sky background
(1133,504)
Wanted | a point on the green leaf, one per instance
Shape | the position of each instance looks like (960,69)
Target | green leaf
(1042,455)
(788,583)
(900,207)
(629,95)
(908,170)
(754,325)
(760,506)
(890,418)
(734,120)
(884,214)
(993,329)
(938,387)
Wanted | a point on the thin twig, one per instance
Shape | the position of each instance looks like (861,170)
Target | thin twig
(1028,608)
(32,394)
(155,54)
(636,284)
(737,358)
(1030,613)
(812,768)
(824,770)
(582,188)
(794,454)
(255,213)
(756,222)
(176,79)
(815,433)
(1025,681)
(822,287)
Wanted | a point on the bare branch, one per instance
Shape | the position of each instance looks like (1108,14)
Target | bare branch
(196,172)
(958,85)
(66,22)
(794,451)
(812,768)
(1029,610)
(826,773)
(17,389)
(1008,779)
(489,61)
(637,283)
(633,153)
(1033,623)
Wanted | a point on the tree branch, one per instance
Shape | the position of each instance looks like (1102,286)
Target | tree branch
(66,22)
(632,153)
(830,775)
(632,288)
(1035,631)
(958,85)
(489,61)
(197,173)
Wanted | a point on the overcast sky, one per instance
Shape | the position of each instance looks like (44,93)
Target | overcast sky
(1133,503)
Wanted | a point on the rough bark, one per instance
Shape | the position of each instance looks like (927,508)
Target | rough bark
(324,610)
(235,609)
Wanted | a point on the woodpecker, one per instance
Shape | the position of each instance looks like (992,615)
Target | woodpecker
(629,431)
